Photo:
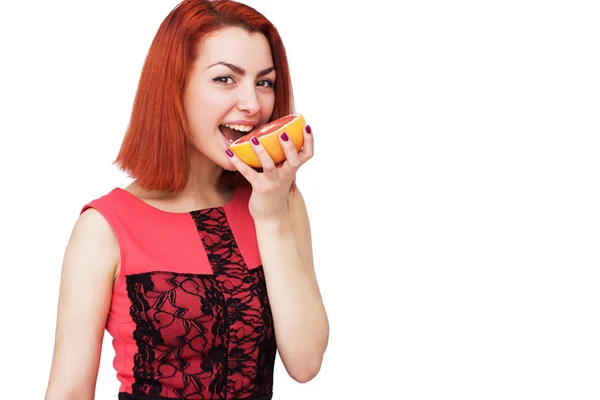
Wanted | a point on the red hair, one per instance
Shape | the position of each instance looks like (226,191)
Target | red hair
(155,149)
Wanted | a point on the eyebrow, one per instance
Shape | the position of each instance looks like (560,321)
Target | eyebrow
(240,70)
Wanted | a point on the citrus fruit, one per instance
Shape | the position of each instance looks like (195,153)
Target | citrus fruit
(268,136)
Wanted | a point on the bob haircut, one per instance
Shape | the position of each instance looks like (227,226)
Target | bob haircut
(155,148)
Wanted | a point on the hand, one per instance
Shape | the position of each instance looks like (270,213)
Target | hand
(271,187)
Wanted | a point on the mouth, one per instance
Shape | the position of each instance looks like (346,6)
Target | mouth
(233,132)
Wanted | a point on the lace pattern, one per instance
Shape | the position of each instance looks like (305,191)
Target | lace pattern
(204,336)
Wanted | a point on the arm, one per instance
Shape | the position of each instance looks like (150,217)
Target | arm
(301,323)
(88,272)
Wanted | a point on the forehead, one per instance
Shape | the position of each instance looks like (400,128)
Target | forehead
(234,45)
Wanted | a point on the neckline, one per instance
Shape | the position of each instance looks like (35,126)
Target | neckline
(156,209)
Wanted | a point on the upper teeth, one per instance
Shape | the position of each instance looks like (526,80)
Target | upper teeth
(266,128)
(241,128)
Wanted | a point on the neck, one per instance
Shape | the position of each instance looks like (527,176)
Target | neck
(205,177)
(204,188)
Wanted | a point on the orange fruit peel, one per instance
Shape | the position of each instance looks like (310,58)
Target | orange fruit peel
(268,136)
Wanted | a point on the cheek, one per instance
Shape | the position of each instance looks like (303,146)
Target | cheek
(267,103)
(205,107)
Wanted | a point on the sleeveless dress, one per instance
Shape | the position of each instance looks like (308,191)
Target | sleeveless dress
(189,316)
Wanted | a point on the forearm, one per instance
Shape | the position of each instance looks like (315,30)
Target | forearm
(301,324)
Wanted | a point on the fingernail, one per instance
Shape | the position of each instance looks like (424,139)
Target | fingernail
(255,141)
(285,137)
(229,153)
(308,130)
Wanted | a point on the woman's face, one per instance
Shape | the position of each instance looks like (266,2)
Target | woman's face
(230,91)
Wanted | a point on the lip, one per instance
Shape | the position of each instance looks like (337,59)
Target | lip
(241,122)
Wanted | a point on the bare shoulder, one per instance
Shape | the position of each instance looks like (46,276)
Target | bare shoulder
(86,286)
(93,244)
(91,221)
(93,231)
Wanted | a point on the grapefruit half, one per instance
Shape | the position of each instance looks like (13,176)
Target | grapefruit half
(268,136)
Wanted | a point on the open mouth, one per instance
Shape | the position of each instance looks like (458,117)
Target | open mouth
(233,132)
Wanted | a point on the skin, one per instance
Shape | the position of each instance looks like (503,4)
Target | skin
(216,94)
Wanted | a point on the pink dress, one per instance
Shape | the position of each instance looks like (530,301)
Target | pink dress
(190,315)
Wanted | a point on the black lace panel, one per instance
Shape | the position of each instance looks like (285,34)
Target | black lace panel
(204,336)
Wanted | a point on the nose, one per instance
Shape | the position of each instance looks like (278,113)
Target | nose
(248,99)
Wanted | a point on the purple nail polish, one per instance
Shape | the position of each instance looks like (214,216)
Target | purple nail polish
(229,153)
(285,137)
(255,141)
(308,130)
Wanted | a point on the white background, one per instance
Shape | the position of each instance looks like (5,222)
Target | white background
(454,193)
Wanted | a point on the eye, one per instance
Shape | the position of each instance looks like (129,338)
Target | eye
(225,80)
(266,83)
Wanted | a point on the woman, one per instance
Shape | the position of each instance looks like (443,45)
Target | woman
(197,266)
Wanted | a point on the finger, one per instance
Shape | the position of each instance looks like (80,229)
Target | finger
(292,158)
(247,171)
(308,148)
(268,165)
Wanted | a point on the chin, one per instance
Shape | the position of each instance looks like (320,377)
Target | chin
(229,167)
(226,164)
